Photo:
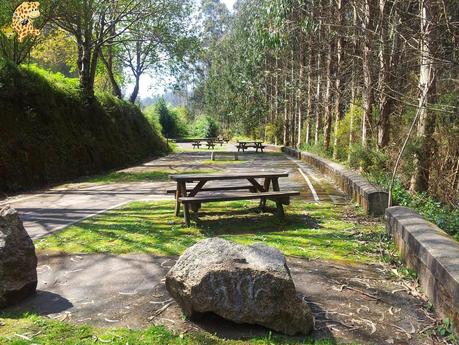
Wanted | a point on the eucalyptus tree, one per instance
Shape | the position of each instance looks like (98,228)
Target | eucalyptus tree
(95,24)
(162,42)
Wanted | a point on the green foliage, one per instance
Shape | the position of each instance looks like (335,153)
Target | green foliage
(205,127)
(57,51)
(445,330)
(49,134)
(371,161)
(433,210)
(172,122)
(353,116)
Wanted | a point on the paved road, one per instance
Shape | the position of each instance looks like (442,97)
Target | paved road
(128,290)
(55,209)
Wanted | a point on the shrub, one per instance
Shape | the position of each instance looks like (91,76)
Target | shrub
(371,161)
(444,217)
(205,127)
(170,121)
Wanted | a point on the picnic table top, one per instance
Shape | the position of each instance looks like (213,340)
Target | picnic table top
(248,142)
(215,177)
(195,140)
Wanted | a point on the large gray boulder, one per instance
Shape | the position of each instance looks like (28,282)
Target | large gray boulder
(244,284)
(18,262)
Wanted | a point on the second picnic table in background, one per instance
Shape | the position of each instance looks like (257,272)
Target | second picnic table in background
(244,145)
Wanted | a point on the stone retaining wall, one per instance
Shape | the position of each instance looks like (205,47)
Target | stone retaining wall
(433,254)
(373,200)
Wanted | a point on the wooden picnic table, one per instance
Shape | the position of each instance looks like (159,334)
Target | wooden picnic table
(188,195)
(210,142)
(244,145)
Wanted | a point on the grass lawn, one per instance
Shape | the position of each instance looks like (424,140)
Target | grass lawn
(31,329)
(315,231)
(141,176)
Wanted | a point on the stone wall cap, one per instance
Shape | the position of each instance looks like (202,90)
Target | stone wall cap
(442,250)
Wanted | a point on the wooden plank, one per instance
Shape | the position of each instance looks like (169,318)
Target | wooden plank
(219,177)
(280,196)
(216,189)
(258,186)
(198,188)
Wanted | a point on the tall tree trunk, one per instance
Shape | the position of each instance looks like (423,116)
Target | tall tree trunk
(353,83)
(286,118)
(327,94)
(84,70)
(135,91)
(299,98)
(108,63)
(386,103)
(318,116)
(276,98)
(427,85)
(309,102)
(339,114)
(367,91)
(292,99)
(137,72)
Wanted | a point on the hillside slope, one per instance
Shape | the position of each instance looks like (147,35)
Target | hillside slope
(47,135)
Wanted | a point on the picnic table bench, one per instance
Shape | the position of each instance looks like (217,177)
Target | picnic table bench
(244,145)
(209,142)
(188,195)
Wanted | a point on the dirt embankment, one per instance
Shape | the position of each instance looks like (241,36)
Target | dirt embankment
(49,135)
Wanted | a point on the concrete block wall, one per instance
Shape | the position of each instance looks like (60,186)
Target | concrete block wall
(372,199)
(433,254)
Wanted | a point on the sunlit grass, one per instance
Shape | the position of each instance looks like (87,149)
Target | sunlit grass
(140,176)
(313,231)
(31,329)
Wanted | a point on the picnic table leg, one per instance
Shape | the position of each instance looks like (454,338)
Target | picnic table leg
(266,189)
(280,207)
(181,191)
(178,194)
(186,214)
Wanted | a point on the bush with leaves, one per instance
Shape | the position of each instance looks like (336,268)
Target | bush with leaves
(171,121)
(205,127)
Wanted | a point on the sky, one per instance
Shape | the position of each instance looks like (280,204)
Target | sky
(151,85)
(229,3)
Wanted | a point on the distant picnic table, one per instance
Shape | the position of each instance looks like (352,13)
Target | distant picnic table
(244,145)
(188,195)
(209,142)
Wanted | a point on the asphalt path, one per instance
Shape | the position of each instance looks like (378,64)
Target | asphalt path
(55,209)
